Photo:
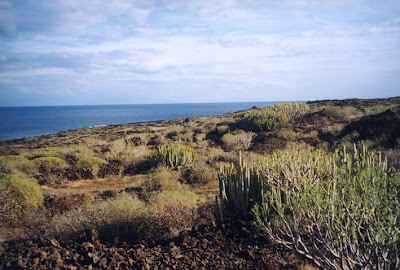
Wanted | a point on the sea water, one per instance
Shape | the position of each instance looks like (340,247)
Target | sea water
(19,122)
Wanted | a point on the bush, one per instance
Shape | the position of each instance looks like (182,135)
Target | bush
(343,112)
(123,219)
(114,149)
(160,180)
(286,134)
(175,155)
(138,139)
(135,155)
(78,152)
(351,208)
(239,140)
(272,117)
(341,210)
(92,163)
(222,129)
(175,209)
(25,191)
(200,173)
(117,218)
(56,152)
(49,164)
(10,208)
(14,163)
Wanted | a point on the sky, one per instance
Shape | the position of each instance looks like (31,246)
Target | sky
(73,52)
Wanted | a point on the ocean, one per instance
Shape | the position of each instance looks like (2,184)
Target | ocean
(19,122)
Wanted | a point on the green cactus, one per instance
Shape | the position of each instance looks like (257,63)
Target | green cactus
(175,155)
(240,188)
(273,116)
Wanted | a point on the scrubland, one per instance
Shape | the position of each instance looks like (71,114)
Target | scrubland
(314,184)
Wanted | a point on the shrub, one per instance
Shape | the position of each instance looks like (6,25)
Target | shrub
(175,209)
(351,209)
(10,208)
(335,129)
(341,210)
(200,173)
(239,140)
(56,152)
(343,112)
(135,155)
(49,164)
(78,152)
(199,137)
(185,136)
(123,218)
(114,149)
(272,117)
(286,134)
(160,180)
(138,139)
(222,129)
(14,163)
(25,190)
(92,163)
(175,155)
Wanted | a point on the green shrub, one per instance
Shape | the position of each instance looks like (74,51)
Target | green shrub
(10,208)
(199,173)
(14,163)
(272,117)
(135,155)
(25,191)
(175,155)
(341,210)
(185,137)
(175,209)
(199,137)
(78,152)
(49,163)
(350,206)
(160,179)
(93,163)
(343,112)
(239,140)
(57,152)
(222,129)
(125,218)
(286,134)
(138,139)
(114,149)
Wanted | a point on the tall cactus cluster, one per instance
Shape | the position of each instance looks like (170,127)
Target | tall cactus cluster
(174,155)
(240,189)
(273,116)
(341,210)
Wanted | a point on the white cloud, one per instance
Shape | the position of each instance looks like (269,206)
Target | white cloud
(208,47)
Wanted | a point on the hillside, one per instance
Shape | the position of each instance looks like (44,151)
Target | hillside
(142,196)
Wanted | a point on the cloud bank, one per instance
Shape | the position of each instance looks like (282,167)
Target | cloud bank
(102,52)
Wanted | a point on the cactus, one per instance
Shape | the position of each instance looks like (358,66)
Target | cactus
(175,155)
(273,116)
(240,189)
(341,210)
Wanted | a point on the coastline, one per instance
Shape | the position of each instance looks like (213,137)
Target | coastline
(23,122)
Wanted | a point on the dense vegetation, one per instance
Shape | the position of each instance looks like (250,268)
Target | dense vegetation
(320,178)
(339,209)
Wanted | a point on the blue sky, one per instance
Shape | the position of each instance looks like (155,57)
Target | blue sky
(64,52)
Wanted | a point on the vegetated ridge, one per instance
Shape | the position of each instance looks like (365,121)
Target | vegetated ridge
(143,195)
